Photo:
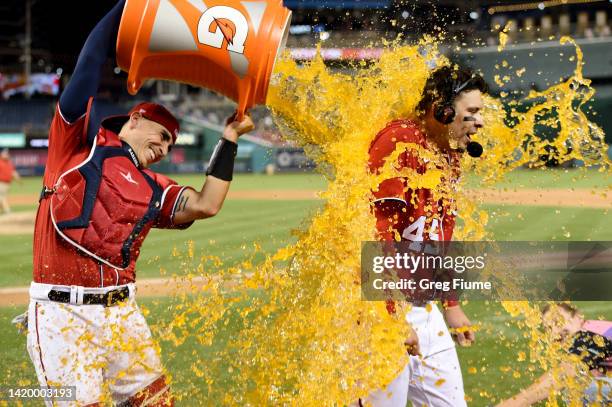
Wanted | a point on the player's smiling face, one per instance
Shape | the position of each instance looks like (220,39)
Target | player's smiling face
(561,323)
(468,118)
(150,140)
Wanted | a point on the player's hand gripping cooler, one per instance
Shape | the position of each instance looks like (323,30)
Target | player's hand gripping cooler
(228,46)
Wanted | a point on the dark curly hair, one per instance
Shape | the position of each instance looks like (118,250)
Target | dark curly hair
(445,83)
(572,310)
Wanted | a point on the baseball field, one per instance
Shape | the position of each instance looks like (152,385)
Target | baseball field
(267,210)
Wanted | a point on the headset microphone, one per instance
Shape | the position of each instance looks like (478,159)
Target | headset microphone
(474,149)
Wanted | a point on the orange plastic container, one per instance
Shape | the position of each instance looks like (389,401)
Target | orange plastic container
(224,45)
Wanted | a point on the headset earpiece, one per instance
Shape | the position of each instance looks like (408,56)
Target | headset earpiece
(444,113)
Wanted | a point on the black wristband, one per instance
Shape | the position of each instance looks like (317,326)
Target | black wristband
(221,164)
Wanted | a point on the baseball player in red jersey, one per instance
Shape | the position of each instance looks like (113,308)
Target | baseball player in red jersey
(7,175)
(97,205)
(449,113)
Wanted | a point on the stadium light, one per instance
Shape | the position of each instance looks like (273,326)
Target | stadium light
(533,5)
(300,29)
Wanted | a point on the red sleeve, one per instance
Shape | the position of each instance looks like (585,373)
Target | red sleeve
(170,198)
(65,139)
(383,146)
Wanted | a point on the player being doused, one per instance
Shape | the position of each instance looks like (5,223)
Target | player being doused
(410,210)
(589,344)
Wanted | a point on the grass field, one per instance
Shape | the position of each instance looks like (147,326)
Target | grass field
(270,223)
(570,178)
(498,345)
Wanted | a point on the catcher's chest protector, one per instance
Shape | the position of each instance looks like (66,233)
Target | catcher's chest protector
(106,205)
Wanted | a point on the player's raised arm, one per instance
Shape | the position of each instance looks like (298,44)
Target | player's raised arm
(193,205)
(85,80)
(540,389)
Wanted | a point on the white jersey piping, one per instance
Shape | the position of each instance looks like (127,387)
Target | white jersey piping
(66,238)
(65,120)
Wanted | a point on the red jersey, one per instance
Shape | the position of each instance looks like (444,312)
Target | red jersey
(6,170)
(428,215)
(55,260)
(411,213)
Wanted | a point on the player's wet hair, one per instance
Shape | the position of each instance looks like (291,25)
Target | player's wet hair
(446,83)
(563,305)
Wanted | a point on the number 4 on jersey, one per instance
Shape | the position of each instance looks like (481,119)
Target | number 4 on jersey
(415,231)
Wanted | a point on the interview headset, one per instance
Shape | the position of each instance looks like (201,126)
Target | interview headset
(444,112)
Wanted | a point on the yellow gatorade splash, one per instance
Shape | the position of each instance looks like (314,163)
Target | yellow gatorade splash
(301,333)
(503,38)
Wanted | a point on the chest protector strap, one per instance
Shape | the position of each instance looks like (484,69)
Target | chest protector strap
(106,205)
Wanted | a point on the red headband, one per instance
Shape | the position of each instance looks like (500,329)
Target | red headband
(160,115)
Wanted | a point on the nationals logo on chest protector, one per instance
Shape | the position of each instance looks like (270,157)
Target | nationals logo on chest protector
(106,205)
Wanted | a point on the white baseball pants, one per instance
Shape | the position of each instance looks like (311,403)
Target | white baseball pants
(433,380)
(106,352)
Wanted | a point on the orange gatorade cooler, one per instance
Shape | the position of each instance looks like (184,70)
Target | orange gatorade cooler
(224,45)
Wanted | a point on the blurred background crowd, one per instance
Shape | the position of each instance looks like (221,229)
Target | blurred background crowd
(40,41)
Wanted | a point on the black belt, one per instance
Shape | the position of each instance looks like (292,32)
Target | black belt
(107,299)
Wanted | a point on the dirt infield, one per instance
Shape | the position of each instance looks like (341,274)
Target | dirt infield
(152,287)
(583,198)
(23,222)
(23,199)
(165,287)
(17,223)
